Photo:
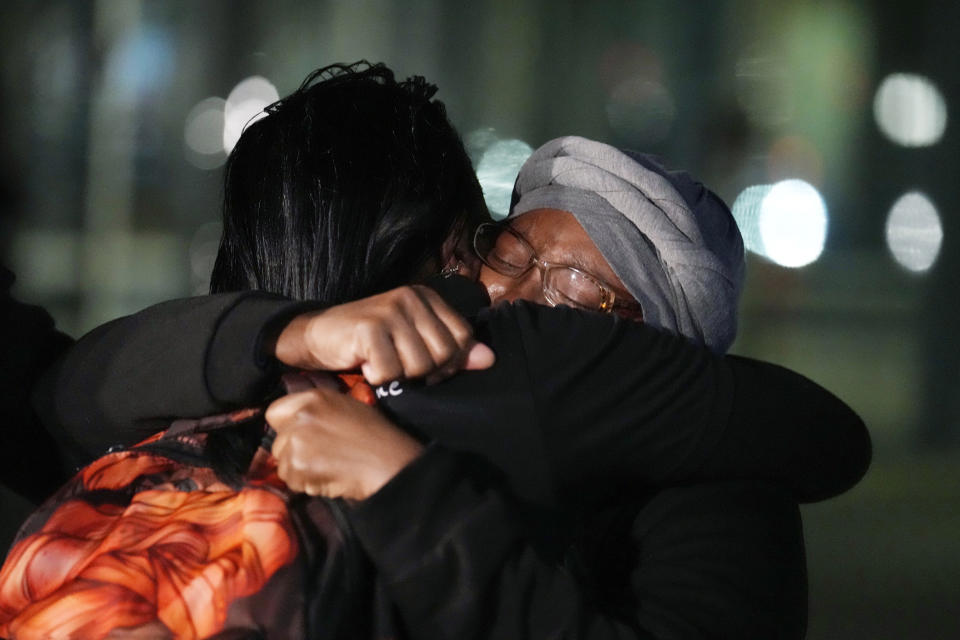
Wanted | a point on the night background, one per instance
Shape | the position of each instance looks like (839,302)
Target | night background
(828,127)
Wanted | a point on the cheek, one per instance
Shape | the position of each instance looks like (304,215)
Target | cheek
(495,284)
(503,288)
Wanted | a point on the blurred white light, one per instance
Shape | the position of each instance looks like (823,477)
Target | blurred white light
(244,106)
(914,233)
(793,223)
(497,171)
(910,110)
(746,211)
(641,110)
(478,141)
(203,133)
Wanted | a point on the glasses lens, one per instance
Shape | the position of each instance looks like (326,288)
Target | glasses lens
(574,288)
(502,250)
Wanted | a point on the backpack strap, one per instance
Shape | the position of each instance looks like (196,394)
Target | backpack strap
(292,382)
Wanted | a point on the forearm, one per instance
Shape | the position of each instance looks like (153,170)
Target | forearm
(626,408)
(786,429)
(183,358)
(752,420)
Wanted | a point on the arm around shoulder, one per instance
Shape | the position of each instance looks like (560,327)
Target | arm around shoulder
(183,358)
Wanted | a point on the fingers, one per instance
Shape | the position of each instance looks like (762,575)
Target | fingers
(296,465)
(409,332)
(427,337)
(297,419)
(331,444)
(430,333)
(456,326)
(479,357)
(304,408)
(380,355)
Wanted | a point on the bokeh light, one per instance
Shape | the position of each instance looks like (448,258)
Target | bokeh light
(245,105)
(914,232)
(910,110)
(793,223)
(746,211)
(203,133)
(497,170)
(785,222)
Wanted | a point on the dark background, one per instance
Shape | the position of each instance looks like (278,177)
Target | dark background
(112,112)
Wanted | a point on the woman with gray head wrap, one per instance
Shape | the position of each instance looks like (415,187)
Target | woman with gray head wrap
(671,241)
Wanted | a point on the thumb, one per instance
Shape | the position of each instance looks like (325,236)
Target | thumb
(480,356)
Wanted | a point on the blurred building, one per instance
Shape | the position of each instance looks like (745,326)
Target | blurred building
(829,128)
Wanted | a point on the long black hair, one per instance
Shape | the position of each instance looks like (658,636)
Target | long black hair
(348,187)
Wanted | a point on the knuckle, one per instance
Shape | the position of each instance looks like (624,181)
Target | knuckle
(376,377)
(391,372)
(272,414)
(409,295)
(417,370)
(368,327)
(279,410)
(295,462)
(444,352)
(461,330)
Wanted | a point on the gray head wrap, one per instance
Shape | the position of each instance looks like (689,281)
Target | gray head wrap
(672,242)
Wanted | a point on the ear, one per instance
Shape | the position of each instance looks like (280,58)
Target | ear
(448,253)
(458,256)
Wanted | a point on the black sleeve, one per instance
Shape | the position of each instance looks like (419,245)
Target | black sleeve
(715,562)
(183,358)
(786,428)
(622,406)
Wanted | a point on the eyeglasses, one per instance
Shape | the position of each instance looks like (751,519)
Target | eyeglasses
(505,251)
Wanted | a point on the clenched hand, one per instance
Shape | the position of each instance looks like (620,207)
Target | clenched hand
(409,332)
(329,444)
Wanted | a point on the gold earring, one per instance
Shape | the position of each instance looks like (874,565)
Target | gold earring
(451,270)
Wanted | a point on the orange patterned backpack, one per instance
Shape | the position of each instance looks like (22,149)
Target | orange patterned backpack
(165,540)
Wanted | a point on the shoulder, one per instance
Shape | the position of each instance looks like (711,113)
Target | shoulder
(568,329)
(525,315)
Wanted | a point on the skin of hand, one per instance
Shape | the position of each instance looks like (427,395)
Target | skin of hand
(329,444)
(409,332)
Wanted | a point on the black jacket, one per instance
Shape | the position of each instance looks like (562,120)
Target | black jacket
(581,411)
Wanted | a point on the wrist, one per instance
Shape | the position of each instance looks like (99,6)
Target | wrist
(238,366)
(395,461)
(292,346)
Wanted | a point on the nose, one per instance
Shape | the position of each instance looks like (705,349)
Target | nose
(503,288)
